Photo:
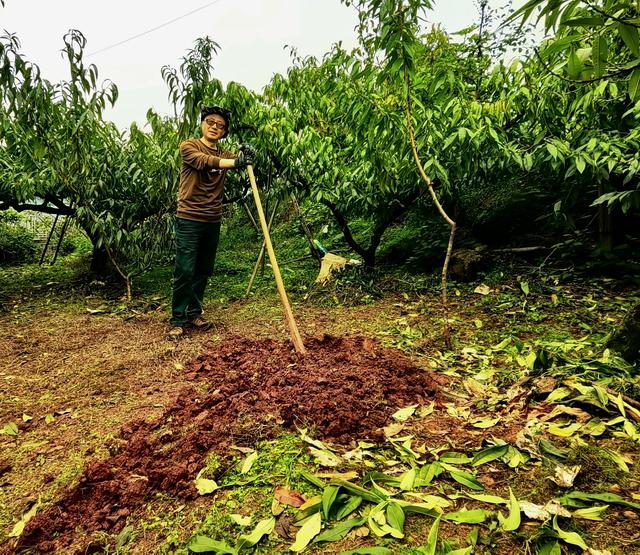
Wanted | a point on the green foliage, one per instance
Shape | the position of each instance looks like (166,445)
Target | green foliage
(596,52)
(17,243)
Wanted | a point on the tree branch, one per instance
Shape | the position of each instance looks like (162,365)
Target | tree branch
(344,227)
(61,209)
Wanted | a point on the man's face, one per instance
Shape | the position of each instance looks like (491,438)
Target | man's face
(213,127)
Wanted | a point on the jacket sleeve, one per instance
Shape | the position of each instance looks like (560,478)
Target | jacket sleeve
(197,159)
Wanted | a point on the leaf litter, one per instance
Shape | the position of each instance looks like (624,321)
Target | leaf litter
(253,390)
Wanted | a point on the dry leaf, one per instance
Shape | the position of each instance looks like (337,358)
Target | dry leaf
(284,528)
(289,497)
(565,475)
(543,512)
(482,289)
(393,429)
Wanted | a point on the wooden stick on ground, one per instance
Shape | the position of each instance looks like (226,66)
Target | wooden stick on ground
(293,328)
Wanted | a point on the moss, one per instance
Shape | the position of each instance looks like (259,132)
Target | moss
(598,469)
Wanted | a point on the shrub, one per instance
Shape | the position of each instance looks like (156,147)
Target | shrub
(17,244)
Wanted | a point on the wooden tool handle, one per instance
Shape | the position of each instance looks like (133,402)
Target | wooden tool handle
(293,328)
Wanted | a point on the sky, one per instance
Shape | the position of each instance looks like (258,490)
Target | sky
(252,35)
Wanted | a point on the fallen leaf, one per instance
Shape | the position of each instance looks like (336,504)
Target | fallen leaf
(263,528)
(482,289)
(404,414)
(204,485)
(543,512)
(289,497)
(307,532)
(426,410)
(10,429)
(19,526)
(248,462)
(591,513)
(393,429)
(325,457)
(240,520)
(484,423)
(285,529)
(351,475)
(565,475)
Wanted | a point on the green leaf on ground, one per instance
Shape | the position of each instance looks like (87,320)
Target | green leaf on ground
(351,505)
(10,429)
(263,528)
(570,499)
(432,539)
(310,507)
(18,528)
(204,544)
(328,497)
(569,537)
(489,454)
(408,479)
(404,414)
(395,516)
(325,457)
(368,551)
(204,485)
(240,520)
(339,531)
(368,495)
(550,548)
(248,462)
(307,532)
(466,479)
(484,423)
(473,516)
(591,513)
(511,522)
(550,449)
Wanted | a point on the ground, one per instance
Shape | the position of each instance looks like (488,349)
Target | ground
(121,440)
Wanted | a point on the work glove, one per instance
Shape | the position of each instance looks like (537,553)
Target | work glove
(248,149)
(243,160)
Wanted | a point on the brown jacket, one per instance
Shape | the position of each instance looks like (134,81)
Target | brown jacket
(201,181)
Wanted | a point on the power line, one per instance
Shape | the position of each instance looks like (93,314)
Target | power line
(152,29)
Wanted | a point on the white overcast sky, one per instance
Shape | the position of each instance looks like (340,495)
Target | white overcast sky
(251,33)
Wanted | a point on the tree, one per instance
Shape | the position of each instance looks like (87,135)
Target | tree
(595,50)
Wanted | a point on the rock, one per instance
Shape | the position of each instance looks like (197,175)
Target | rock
(466,263)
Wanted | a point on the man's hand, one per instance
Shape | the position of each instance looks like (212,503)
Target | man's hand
(243,160)
(248,150)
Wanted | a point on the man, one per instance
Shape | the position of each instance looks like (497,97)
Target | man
(204,165)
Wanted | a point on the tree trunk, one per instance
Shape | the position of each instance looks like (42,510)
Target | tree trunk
(99,261)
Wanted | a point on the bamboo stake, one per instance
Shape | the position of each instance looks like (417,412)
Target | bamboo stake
(293,328)
(261,255)
(60,239)
(46,246)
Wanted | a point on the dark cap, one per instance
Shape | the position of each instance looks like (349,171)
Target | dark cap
(218,111)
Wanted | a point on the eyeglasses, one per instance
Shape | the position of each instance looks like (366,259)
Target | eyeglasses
(214,123)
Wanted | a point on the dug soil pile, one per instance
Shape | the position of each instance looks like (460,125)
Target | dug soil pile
(243,392)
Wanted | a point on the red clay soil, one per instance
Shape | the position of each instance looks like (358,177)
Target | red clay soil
(244,391)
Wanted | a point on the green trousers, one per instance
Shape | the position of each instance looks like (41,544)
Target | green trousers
(196,246)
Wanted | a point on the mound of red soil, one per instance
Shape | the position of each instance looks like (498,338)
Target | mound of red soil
(245,391)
